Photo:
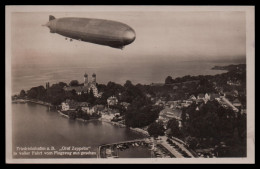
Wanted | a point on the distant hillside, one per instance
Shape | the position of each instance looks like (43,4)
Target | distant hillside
(230,67)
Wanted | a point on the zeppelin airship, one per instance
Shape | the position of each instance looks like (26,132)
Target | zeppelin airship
(98,31)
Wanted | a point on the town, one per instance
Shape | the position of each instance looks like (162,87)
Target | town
(190,116)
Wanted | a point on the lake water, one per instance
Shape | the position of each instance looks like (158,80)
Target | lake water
(35,126)
(27,76)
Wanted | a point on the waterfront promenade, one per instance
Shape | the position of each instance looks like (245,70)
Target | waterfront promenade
(31,101)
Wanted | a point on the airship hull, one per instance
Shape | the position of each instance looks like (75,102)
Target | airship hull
(98,31)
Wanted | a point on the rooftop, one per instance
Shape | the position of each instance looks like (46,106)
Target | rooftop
(171,113)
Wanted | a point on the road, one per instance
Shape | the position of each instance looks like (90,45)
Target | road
(173,150)
(230,104)
(170,148)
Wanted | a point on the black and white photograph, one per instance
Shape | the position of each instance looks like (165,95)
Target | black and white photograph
(136,84)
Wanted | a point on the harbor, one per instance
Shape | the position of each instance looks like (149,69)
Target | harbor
(115,150)
(112,150)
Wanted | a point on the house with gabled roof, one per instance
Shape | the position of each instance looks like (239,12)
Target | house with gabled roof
(112,100)
(192,97)
(237,103)
(73,105)
(200,96)
(207,97)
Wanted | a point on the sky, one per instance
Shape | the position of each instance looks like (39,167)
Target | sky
(160,36)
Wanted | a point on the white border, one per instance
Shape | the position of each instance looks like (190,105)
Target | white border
(250,59)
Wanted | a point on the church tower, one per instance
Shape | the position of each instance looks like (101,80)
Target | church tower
(85,79)
(94,78)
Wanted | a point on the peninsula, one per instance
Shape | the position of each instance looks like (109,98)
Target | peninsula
(191,115)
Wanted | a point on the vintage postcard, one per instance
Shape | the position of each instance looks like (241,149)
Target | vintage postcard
(130,84)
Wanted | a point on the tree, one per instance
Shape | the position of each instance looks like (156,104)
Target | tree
(192,142)
(128,84)
(90,97)
(112,89)
(211,121)
(85,116)
(37,93)
(141,116)
(156,129)
(79,112)
(73,92)
(173,124)
(22,94)
(131,92)
(101,87)
(74,83)
(168,80)
(56,94)
(72,115)
(241,126)
(62,84)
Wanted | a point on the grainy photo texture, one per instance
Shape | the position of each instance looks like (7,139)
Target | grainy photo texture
(128,83)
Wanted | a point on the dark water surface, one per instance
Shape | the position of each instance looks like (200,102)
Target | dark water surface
(35,126)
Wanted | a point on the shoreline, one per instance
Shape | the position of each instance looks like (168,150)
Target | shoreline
(78,119)
(32,101)
(138,130)
(135,130)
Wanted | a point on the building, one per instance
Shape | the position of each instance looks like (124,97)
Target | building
(237,103)
(234,83)
(168,113)
(89,110)
(160,102)
(214,96)
(112,100)
(200,96)
(172,104)
(73,105)
(243,111)
(207,96)
(192,97)
(234,93)
(125,104)
(86,87)
(186,103)
(47,85)
(68,105)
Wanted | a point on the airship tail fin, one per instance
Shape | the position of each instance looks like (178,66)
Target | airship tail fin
(51,18)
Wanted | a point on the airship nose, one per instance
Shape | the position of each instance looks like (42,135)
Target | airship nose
(129,36)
